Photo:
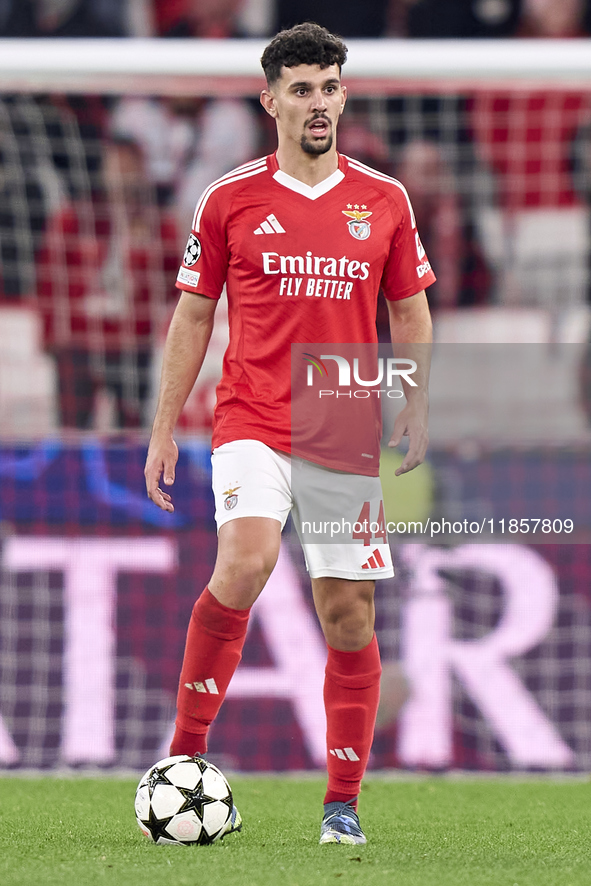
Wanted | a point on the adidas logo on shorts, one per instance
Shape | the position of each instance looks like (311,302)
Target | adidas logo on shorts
(375,561)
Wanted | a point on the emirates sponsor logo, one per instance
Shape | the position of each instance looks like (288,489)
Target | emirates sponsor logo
(315,265)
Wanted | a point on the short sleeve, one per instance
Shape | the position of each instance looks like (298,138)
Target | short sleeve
(205,260)
(407,269)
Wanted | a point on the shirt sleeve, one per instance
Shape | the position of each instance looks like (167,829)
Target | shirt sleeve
(205,262)
(407,269)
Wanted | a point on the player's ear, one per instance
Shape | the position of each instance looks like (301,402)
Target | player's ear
(268,102)
(344,98)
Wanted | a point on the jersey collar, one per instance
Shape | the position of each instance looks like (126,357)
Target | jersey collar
(312,193)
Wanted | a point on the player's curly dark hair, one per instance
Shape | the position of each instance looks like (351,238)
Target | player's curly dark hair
(305,44)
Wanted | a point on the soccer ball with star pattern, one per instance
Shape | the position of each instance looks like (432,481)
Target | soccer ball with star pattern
(184,800)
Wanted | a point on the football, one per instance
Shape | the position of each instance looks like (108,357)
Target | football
(184,800)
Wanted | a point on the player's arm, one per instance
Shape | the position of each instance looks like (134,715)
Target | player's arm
(412,333)
(186,344)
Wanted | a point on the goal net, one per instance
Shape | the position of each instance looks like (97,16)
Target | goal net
(104,148)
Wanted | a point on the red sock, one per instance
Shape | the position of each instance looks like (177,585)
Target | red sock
(351,695)
(212,653)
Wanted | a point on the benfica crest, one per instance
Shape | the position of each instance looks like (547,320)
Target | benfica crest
(358,226)
(231,499)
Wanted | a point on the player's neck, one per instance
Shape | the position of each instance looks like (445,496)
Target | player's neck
(307,168)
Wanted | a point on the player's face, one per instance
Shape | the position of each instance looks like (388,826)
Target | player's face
(306,103)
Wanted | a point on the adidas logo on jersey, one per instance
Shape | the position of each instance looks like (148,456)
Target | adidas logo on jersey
(345,754)
(270,226)
(209,686)
(375,561)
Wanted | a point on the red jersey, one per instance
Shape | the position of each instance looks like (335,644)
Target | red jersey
(301,265)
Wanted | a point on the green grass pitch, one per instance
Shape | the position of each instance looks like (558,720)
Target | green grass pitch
(423,832)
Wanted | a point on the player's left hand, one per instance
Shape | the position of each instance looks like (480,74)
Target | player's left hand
(411,422)
(161,461)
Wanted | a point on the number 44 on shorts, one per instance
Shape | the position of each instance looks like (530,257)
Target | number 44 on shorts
(365,528)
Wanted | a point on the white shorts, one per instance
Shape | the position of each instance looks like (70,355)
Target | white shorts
(336,515)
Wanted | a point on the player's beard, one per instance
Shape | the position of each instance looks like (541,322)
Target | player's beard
(317,146)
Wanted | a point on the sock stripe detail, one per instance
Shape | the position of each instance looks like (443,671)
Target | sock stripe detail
(208,686)
(345,754)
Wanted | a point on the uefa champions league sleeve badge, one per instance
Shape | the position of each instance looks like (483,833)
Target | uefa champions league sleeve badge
(192,251)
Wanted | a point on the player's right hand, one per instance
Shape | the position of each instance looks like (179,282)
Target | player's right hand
(161,462)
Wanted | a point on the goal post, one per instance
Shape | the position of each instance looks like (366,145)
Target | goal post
(222,67)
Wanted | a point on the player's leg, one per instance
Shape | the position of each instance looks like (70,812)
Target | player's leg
(246,480)
(343,574)
(351,695)
(247,552)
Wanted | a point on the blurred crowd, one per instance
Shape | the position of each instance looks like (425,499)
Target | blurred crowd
(97,193)
(260,18)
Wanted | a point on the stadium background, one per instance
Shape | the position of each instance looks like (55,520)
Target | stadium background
(487,647)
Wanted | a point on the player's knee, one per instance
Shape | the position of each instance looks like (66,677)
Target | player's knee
(353,630)
(256,567)
(242,575)
(347,619)
(247,553)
